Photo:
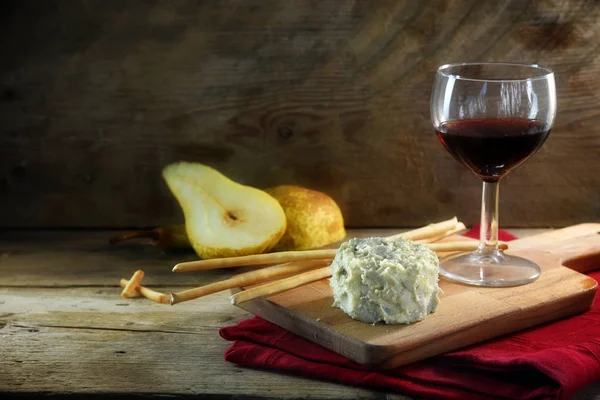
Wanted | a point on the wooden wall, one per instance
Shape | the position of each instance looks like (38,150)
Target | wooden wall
(97,96)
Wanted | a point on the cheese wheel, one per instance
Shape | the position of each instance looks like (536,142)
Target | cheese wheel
(391,281)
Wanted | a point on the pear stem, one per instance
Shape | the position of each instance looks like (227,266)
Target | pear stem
(151,234)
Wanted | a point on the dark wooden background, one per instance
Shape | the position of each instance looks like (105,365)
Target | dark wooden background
(97,96)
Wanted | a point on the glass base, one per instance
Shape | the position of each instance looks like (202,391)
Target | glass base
(489,269)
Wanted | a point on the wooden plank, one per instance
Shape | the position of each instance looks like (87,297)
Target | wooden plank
(332,95)
(466,314)
(104,308)
(45,359)
(88,340)
(71,258)
(84,258)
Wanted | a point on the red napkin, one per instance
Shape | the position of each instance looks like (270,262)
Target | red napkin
(549,361)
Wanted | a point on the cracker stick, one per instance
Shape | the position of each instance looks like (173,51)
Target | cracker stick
(281,285)
(256,259)
(129,289)
(148,293)
(136,293)
(287,256)
(427,231)
(325,272)
(432,239)
(247,278)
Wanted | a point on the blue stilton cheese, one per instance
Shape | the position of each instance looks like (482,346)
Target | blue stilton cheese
(380,280)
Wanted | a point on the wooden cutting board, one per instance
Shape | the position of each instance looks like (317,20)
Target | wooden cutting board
(466,314)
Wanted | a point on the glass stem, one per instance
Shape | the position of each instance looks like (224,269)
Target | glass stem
(488,235)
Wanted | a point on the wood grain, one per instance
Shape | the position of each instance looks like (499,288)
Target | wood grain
(97,97)
(64,330)
(77,258)
(466,314)
(82,359)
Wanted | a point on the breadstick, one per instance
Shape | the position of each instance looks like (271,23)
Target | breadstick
(427,231)
(134,282)
(256,259)
(287,256)
(325,272)
(281,285)
(246,279)
(432,239)
(148,293)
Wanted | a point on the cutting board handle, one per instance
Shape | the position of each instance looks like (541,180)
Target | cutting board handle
(577,247)
(584,264)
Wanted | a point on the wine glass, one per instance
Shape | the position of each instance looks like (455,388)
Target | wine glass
(492,117)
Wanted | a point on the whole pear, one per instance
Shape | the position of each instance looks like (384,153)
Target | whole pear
(313,218)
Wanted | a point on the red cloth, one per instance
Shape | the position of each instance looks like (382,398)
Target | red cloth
(553,360)
(502,235)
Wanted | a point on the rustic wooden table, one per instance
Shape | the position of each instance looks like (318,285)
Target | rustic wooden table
(65,330)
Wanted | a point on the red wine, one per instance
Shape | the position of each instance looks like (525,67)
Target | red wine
(492,147)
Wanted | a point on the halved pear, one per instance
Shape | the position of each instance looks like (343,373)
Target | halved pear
(224,218)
